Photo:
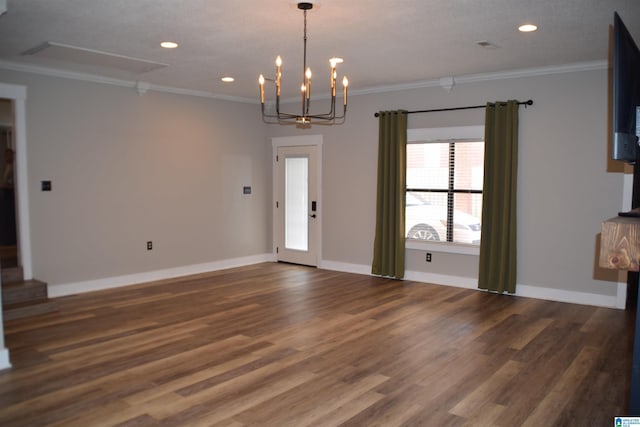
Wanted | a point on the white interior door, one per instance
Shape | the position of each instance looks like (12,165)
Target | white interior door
(297,204)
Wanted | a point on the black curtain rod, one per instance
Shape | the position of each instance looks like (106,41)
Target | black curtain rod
(525,103)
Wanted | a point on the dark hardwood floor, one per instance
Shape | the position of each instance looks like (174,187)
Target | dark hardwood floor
(283,345)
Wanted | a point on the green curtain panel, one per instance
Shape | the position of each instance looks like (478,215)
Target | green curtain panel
(388,248)
(498,244)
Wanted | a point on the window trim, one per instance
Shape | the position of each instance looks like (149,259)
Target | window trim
(443,134)
(443,247)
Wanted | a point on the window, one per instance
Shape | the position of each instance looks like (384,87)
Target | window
(444,184)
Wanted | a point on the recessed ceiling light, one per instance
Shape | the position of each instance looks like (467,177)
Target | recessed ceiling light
(228,79)
(169,45)
(527,28)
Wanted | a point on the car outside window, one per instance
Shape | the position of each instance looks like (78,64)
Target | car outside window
(444,190)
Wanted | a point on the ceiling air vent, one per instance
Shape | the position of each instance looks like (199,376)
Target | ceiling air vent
(486,44)
(96,58)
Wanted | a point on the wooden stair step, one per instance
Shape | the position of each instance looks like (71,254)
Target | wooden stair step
(9,256)
(27,290)
(27,309)
(12,275)
(25,298)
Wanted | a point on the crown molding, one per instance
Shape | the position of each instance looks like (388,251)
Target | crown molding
(468,78)
(532,72)
(93,78)
(202,94)
(71,75)
(483,77)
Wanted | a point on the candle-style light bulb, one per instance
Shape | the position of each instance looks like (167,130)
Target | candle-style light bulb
(332,76)
(278,74)
(345,84)
(307,76)
(261,81)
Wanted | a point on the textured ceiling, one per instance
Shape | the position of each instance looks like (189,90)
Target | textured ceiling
(383,42)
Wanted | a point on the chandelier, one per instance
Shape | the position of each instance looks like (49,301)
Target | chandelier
(305,118)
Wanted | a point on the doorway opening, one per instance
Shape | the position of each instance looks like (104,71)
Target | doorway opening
(14,99)
(8,224)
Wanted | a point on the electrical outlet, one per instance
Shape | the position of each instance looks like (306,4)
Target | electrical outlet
(149,245)
(428,257)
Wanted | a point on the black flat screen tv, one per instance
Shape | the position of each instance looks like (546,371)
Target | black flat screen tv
(626,94)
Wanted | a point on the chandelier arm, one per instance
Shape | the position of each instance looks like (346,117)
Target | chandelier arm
(332,111)
(287,116)
(289,122)
(305,119)
(329,115)
(329,123)
(325,118)
(336,120)
(334,117)
(278,116)
(264,114)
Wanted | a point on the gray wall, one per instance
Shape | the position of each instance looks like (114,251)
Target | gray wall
(169,168)
(127,169)
(565,190)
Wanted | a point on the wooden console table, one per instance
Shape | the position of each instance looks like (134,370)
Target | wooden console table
(620,250)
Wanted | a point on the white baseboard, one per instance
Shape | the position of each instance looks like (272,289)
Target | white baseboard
(551,294)
(572,297)
(442,279)
(4,359)
(345,267)
(621,299)
(150,276)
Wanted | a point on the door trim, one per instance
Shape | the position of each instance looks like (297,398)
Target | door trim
(18,94)
(296,141)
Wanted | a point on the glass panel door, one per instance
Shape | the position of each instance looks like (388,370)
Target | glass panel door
(296,222)
(297,206)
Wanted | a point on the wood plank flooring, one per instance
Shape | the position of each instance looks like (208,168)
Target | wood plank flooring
(283,345)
